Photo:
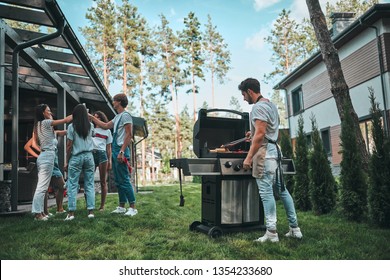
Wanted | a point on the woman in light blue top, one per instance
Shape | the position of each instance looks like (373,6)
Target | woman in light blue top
(79,148)
(46,138)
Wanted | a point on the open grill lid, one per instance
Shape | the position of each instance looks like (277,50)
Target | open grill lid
(212,131)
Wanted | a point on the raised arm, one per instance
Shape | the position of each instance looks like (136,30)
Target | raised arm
(104,125)
(68,119)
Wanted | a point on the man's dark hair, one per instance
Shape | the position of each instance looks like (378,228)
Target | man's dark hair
(122,98)
(251,84)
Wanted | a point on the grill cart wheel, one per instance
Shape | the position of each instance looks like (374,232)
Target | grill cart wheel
(215,232)
(194,225)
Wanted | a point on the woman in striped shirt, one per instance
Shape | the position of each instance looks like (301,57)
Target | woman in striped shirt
(46,138)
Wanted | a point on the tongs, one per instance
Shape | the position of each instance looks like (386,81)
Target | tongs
(235,142)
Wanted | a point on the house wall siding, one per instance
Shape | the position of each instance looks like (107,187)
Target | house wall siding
(360,66)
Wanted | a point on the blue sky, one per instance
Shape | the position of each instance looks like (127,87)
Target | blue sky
(243,23)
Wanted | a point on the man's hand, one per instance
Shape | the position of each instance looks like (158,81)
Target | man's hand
(247,164)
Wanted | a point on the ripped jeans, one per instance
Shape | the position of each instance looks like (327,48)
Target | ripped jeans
(264,185)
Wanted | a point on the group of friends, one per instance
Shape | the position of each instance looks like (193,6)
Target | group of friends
(90,145)
(263,157)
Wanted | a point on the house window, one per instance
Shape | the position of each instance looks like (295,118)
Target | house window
(297,100)
(325,136)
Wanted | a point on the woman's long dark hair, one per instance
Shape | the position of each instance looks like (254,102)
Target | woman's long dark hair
(101,116)
(81,121)
(38,118)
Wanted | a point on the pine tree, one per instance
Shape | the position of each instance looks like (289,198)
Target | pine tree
(101,37)
(168,74)
(338,84)
(278,100)
(322,183)
(379,186)
(301,178)
(217,56)
(191,42)
(353,187)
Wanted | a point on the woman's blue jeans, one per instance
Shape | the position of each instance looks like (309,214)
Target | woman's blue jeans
(45,165)
(265,186)
(81,163)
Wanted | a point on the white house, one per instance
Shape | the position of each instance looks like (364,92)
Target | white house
(363,46)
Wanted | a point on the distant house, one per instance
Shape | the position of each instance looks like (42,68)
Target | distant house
(363,46)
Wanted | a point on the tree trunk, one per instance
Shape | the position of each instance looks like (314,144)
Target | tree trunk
(338,84)
(141,106)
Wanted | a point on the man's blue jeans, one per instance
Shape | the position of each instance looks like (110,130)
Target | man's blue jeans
(267,196)
(122,176)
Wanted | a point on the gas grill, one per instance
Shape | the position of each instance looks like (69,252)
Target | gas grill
(230,198)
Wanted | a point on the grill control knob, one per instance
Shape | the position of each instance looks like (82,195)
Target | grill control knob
(237,167)
(228,164)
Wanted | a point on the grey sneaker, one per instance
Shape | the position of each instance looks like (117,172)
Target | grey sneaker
(119,210)
(131,212)
(294,232)
(268,236)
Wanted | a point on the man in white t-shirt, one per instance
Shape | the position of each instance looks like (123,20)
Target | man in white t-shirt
(263,159)
(122,138)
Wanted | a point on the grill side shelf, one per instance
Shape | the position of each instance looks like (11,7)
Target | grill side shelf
(200,166)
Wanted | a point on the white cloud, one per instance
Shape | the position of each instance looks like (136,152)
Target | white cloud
(256,42)
(262,4)
(299,8)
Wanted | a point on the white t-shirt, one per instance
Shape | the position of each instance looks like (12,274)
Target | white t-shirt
(102,138)
(123,118)
(267,111)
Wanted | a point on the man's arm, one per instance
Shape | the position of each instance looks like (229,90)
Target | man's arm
(257,141)
(104,125)
(126,141)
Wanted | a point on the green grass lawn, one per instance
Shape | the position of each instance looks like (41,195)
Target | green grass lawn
(160,231)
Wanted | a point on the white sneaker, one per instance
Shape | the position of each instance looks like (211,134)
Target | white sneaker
(131,212)
(69,218)
(294,232)
(268,236)
(119,210)
(91,216)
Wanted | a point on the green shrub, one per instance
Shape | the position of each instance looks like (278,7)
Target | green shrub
(301,178)
(322,183)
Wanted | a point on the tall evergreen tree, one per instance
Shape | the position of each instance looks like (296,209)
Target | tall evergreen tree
(301,178)
(277,99)
(160,126)
(379,187)
(101,37)
(217,55)
(339,87)
(191,42)
(167,73)
(283,35)
(287,151)
(186,132)
(322,183)
(235,104)
(353,179)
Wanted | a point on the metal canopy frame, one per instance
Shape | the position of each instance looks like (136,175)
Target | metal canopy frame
(58,63)
(44,62)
